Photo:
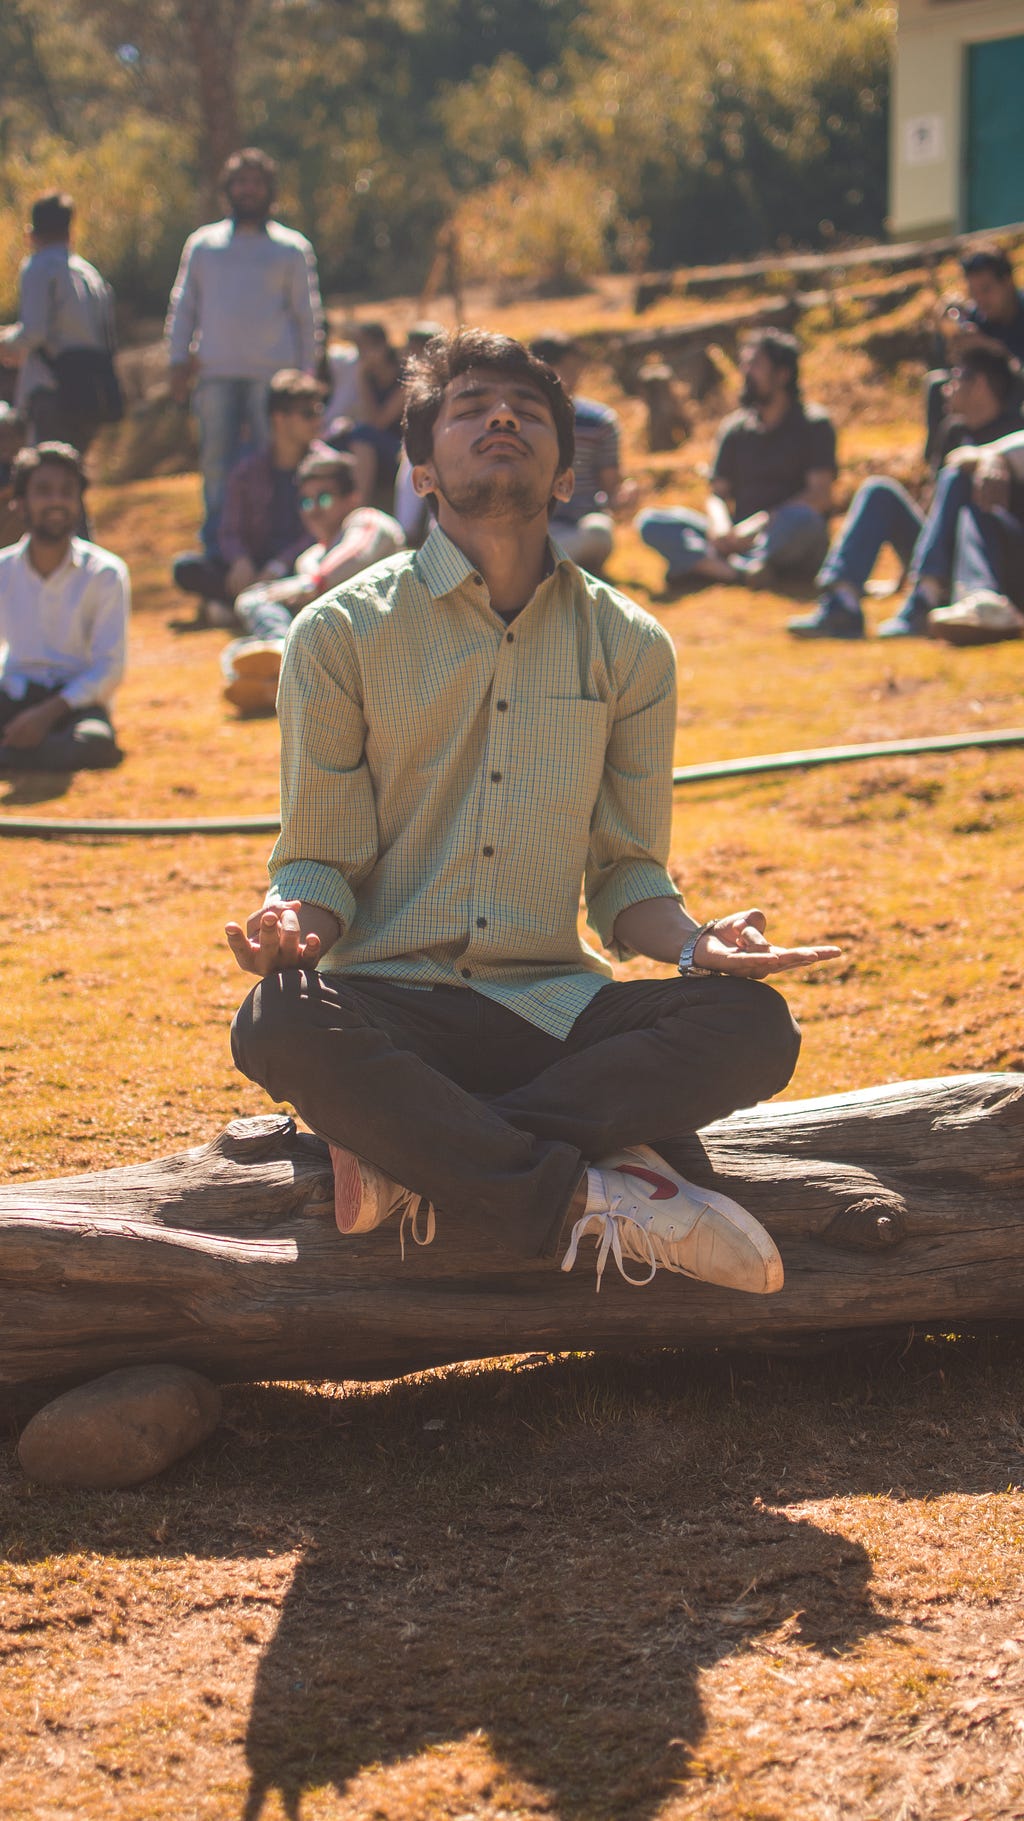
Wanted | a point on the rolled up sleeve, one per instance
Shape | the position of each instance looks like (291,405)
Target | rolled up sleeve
(632,821)
(329,839)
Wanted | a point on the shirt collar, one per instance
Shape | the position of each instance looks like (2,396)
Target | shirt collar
(443,567)
(75,558)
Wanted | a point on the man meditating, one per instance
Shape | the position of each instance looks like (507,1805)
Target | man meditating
(469,731)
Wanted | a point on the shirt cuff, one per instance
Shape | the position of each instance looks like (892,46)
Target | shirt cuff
(314,883)
(631,883)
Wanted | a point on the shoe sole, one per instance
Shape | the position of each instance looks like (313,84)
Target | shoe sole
(353,1212)
(263,664)
(252,695)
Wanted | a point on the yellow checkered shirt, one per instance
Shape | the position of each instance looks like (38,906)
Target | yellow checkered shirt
(448,780)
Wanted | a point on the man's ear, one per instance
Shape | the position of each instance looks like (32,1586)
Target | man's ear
(424,479)
(564,484)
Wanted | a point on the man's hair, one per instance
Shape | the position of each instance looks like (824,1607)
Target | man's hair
(45,455)
(782,349)
(250,158)
(555,346)
(322,464)
(995,365)
(990,259)
(291,387)
(447,357)
(51,216)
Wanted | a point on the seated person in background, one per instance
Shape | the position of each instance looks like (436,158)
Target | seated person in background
(584,525)
(342,379)
(261,529)
(988,593)
(64,607)
(348,537)
(766,520)
(412,512)
(992,316)
(13,436)
(882,512)
(375,438)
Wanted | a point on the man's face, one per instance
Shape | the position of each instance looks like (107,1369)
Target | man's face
(52,503)
(995,298)
(763,381)
(495,452)
(968,396)
(324,508)
(248,194)
(292,430)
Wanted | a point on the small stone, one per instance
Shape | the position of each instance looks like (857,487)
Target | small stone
(120,1429)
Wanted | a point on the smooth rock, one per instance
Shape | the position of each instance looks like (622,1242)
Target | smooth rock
(119,1429)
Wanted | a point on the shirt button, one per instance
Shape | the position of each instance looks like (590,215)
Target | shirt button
(477,580)
(467,973)
(495,777)
(481,923)
(510,638)
(501,707)
(489,851)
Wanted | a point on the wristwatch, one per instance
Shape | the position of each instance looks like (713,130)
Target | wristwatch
(685,964)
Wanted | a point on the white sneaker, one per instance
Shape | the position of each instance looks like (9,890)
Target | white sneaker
(639,1207)
(981,618)
(364,1197)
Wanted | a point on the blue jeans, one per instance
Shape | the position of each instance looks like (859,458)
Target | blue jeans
(989,554)
(884,513)
(792,545)
(232,418)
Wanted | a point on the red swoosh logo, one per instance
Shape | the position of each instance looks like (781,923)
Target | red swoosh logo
(661,1188)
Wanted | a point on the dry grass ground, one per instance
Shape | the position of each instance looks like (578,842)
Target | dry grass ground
(571,1588)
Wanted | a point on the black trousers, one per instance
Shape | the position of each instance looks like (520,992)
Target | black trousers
(466,1103)
(83,739)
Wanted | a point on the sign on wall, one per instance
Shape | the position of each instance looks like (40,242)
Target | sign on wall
(924,139)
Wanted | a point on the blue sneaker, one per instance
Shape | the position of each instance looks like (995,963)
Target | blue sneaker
(912,620)
(833,618)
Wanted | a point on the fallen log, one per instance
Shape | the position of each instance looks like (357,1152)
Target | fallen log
(893,1207)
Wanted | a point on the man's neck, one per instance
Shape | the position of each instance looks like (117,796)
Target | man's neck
(511,554)
(47,557)
(771,411)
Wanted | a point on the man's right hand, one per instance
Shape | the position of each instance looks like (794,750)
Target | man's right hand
(273,937)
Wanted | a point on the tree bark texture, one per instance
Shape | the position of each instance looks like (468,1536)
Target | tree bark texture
(893,1207)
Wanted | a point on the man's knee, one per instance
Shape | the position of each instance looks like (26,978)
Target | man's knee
(775,1037)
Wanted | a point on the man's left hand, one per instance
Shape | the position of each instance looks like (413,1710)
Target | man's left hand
(738,945)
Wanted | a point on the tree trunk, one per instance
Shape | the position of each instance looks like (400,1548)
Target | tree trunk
(893,1207)
(215,29)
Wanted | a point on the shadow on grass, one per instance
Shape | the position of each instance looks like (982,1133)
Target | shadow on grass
(34,787)
(549,1554)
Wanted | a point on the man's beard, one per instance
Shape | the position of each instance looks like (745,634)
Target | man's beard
(492,496)
(47,534)
(250,214)
(750,393)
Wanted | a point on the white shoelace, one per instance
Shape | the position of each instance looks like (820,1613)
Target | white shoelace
(414,1209)
(611,1240)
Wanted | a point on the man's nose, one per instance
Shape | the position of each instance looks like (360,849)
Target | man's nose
(503,416)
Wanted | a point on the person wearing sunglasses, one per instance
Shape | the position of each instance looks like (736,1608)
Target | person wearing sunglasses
(261,528)
(348,537)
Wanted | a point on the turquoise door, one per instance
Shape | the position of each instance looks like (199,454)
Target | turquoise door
(995,133)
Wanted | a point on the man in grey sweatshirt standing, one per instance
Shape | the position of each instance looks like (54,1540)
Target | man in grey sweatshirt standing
(245,303)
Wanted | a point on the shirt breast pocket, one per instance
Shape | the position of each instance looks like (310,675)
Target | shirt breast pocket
(568,762)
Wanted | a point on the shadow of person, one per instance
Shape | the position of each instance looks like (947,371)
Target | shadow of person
(566,1621)
(27,787)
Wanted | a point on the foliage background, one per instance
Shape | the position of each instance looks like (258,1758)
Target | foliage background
(561,138)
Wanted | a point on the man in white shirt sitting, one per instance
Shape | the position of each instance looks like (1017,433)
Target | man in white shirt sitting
(348,537)
(64,607)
